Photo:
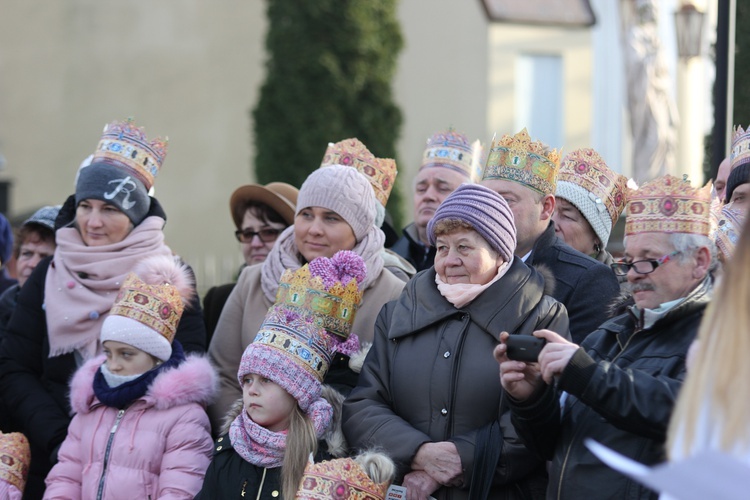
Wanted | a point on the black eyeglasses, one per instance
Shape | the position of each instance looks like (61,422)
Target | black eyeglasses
(267,235)
(642,266)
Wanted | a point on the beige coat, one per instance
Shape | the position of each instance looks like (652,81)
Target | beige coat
(244,312)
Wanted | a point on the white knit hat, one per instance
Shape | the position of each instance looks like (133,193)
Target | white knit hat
(594,211)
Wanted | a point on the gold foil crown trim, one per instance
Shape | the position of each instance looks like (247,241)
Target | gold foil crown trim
(341,478)
(669,205)
(159,307)
(451,149)
(740,153)
(519,159)
(381,172)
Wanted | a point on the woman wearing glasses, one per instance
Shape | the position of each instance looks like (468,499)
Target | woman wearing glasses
(260,214)
(335,211)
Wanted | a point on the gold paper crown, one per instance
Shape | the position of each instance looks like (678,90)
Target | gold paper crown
(126,146)
(669,205)
(585,168)
(15,456)
(518,159)
(333,309)
(159,307)
(451,149)
(740,153)
(341,479)
(381,172)
(726,228)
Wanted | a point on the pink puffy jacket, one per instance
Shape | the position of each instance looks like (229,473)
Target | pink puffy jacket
(158,447)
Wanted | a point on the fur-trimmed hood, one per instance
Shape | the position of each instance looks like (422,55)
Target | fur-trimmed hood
(193,381)
(333,437)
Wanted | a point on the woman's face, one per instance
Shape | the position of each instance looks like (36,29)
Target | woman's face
(255,249)
(319,232)
(267,403)
(124,359)
(573,228)
(101,223)
(30,253)
(464,256)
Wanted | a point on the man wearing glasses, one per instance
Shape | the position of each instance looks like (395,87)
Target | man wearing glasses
(620,385)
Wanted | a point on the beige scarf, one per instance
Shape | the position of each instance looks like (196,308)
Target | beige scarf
(460,294)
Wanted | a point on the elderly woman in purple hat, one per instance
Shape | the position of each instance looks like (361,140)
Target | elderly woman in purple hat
(447,427)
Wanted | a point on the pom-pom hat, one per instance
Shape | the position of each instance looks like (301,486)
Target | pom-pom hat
(149,306)
(123,169)
(292,347)
(486,211)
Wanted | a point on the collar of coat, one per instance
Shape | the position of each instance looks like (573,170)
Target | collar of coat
(502,307)
(193,381)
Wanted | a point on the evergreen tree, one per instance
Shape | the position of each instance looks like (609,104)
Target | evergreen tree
(329,71)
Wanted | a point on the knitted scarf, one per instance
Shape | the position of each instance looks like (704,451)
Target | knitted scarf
(83,281)
(460,294)
(259,446)
(124,394)
(284,255)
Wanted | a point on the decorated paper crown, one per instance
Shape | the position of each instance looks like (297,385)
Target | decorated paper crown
(726,228)
(740,153)
(340,479)
(381,172)
(518,159)
(669,205)
(15,456)
(314,288)
(126,146)
(156,300)
(451,149)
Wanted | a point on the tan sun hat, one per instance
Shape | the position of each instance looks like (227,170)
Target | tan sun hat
(279,196)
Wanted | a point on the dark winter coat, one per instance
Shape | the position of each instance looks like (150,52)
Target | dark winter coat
(410,248)
(621,387)
(582,284)
(430,376)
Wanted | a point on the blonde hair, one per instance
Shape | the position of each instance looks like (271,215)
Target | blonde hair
(716,385)
(301,441)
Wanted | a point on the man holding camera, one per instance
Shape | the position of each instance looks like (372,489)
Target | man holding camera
(620,385)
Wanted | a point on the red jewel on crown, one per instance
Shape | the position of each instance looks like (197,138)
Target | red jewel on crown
(668,206)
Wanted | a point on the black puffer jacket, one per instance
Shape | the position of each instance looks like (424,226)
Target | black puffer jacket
(621,387)
(582,284)
(431,376)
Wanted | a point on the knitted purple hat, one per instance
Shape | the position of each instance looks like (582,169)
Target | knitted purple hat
(486,211)
(292,348)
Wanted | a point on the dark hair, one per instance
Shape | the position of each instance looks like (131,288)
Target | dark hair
(35,233)
(263,212)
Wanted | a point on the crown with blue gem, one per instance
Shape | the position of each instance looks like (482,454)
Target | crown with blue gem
(125,145)
(451,149)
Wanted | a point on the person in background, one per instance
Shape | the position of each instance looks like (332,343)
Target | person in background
(284,410)
(103,230)
(448,161)
(738,182)
(260,213)
(6,250)
(588,201)
(381,172)
(336,210)
(429,394)
(525,174)
(620,385)
(722,174)
(140,428)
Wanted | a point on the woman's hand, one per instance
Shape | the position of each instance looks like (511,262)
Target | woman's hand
(441,461)
(419,485)
(518,378)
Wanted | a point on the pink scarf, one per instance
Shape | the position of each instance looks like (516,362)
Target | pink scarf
(284,255)
(461,294)
(83,281)
(259,446)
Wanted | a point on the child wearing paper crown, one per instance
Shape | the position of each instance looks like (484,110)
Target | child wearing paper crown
(285,409)
(140,429)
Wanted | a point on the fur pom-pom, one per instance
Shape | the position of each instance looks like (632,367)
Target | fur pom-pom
(163,269)
(377,465)
(357,359)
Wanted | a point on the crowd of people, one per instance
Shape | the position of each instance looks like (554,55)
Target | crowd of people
(471,357)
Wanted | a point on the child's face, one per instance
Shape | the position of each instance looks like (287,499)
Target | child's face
(267,403)
(124,359)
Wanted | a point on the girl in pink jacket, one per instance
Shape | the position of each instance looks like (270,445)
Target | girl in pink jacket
(140,429)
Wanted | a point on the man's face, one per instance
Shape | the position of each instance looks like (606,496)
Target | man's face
(431,186)
(741,197)
(527,211)
(672,280)
(721,179)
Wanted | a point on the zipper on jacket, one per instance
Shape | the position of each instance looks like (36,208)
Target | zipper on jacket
(106,453)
